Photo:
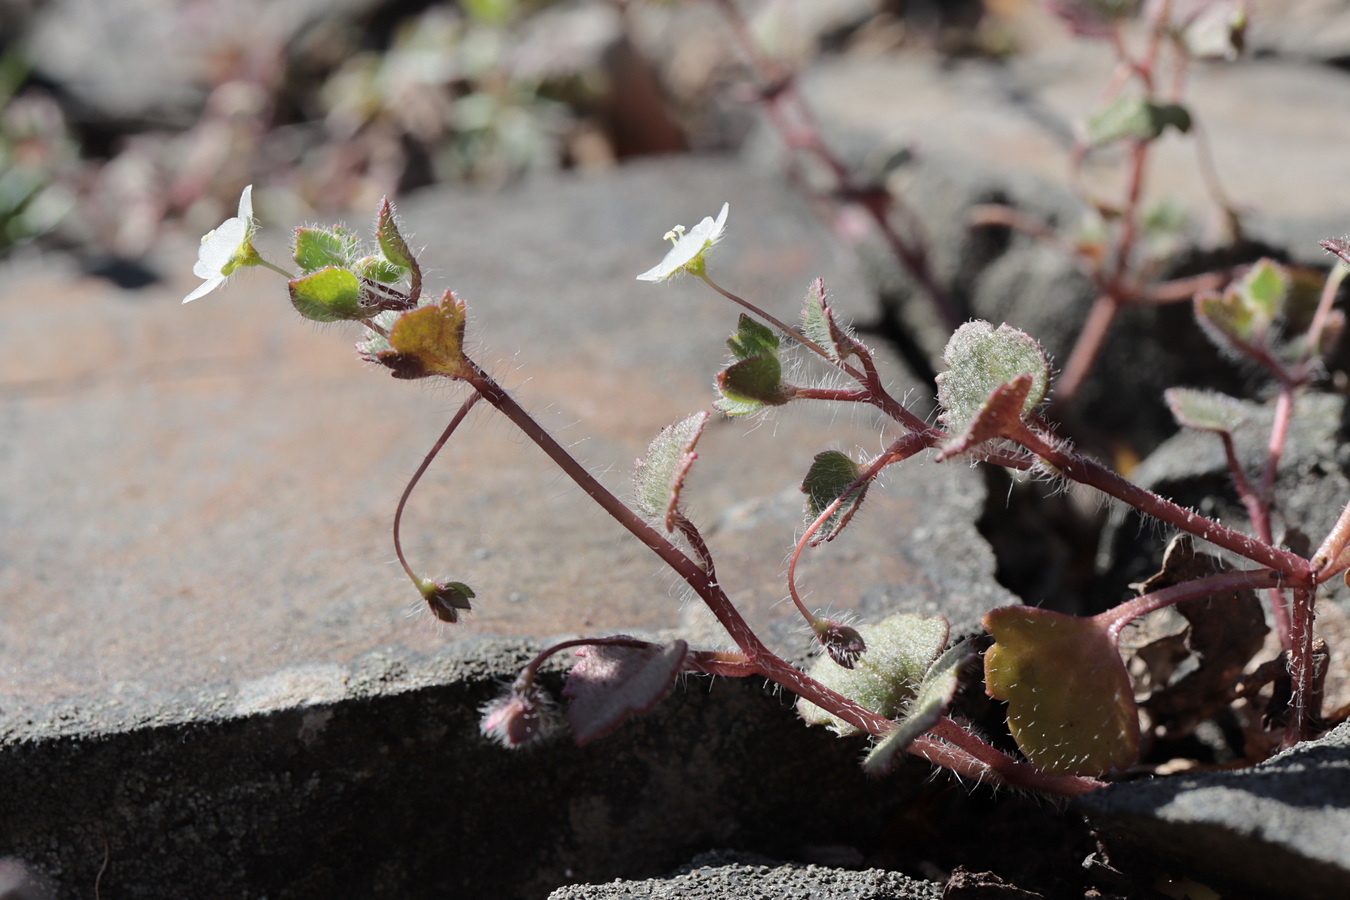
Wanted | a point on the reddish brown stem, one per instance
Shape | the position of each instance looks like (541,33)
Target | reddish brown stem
(1086,471)
(417,476)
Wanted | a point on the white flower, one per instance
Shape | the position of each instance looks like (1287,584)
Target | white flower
(687,254)
(226,249)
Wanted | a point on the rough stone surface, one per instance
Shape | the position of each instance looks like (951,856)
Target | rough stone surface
(217,481)
(715,876)
(1191,469)
(980,132)
(196,503)
(1280,829)
(389,791)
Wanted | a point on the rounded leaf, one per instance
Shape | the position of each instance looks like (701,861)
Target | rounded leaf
(1071,707)
(980,359)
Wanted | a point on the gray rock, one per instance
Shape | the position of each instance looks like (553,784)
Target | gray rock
(1312,484)
(1279,829)
(389,791)
(207,655)
(1316,30)
(138,63)
(979,132)
(719,875)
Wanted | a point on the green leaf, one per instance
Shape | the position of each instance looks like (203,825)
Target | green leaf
(999,416)
(1071,707)
(1134,118)
(900,651)
(752,339)
(429,340)
(929,705)
(830,475)
(1244,314)
(377,268)
(318,248)
(814,324)
(729,407)
(395,248)
(1206,410)
(328,295)
(818,325)
(756,379)
(1263,290)
(659,476)
(979,360)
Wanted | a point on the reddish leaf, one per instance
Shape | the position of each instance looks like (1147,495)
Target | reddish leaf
(610,683)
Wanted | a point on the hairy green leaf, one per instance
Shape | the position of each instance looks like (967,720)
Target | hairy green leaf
(899,651)
(981,358)
(318,248)
(929,705)
(328,295)
(659,476)
(1206,410)
(752,339)
(830,475)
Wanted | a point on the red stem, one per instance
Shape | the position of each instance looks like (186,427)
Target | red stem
(412,482)
(1086,471)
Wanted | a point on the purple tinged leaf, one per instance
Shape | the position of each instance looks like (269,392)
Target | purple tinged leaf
(611,683)
(1000,416)
(659,476)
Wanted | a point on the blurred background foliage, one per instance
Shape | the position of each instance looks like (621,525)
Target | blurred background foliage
(120,118)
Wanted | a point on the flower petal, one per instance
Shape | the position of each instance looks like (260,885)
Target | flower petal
(689,248)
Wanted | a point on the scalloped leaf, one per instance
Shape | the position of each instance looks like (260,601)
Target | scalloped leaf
(328,295)
(429,340)
(1244,314)
(1071,706)
(930,704)
(609,684)
(980,359)
(1206,410)
(900,651)
(830,475)
(659,476)
(319,248)
(1263,290)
